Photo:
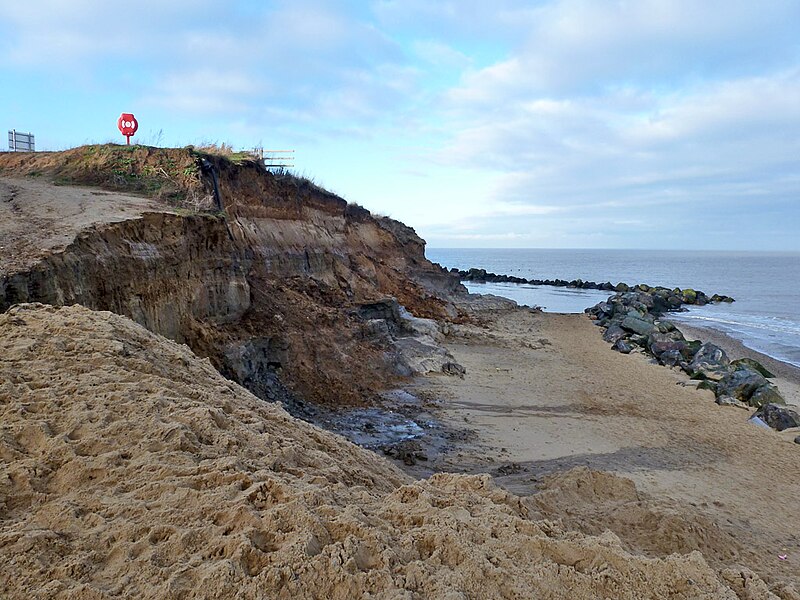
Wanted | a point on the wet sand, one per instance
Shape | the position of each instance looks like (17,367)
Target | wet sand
(544,393)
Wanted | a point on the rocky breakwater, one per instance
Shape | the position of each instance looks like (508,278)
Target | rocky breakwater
(675,297)
(634,320)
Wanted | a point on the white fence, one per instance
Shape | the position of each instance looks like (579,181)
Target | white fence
(21,142)
(279,160)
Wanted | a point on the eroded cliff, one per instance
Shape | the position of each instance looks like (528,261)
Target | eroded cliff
(268,288)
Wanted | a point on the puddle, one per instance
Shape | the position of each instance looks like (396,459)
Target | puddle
(402,427)
(371,427)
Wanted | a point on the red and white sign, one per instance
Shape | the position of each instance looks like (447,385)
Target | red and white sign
(127,125)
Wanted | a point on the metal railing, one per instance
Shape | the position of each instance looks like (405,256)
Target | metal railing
(279,160)
(21,142)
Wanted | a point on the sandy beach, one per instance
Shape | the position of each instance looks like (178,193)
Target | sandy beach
(130,467)
(544,393)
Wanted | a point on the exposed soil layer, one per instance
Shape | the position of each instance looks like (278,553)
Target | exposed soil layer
(38,218)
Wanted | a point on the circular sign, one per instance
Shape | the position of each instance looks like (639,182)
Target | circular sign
(127,124)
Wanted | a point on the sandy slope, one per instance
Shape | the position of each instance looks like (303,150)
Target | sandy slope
(544,393)
(37,218)
(130,468)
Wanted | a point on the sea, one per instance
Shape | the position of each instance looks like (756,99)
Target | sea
(766,285)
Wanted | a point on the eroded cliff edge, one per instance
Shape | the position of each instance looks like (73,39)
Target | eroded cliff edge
(271,289)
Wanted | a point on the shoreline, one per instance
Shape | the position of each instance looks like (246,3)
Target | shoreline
(737,349)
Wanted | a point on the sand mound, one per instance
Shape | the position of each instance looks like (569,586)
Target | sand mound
(131,468)
(593,501)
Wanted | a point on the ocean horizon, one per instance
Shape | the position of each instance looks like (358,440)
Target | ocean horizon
(764,316)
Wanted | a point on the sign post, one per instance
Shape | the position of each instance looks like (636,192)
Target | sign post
(127,125)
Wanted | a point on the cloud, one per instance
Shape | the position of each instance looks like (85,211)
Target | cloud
(566,120)
(52,34)
(589,148)
(202,57)
(582,46)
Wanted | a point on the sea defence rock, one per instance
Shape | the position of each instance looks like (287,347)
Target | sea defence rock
(777,416)
(634,319)
(754,365)
(673,298)
(710,362)
(743,384)
(638,325)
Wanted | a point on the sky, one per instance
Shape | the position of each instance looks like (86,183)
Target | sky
(655,124)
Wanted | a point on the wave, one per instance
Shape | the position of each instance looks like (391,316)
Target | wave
(776,337)
(767,323)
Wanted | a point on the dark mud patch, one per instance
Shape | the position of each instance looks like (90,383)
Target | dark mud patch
(402,427)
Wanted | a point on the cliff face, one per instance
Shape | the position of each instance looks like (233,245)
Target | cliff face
(269,290)
(159,270)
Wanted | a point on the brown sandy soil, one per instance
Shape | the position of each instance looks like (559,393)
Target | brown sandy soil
(130,468)
(38,218)
(544,393)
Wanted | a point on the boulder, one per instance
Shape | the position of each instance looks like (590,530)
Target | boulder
(710,362)
(638,325)
(670,358)
(622,346)
(778,417)
(728,401)
(689,296)
(658,343)
(766,394)
(666,327)
(478,275)
(604,307)
(646,300)
(701,299)
(707,384)
(661,303)
(749,386)
(614,333)
(752,364)
(691,348)
(674,301)
(741,384)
